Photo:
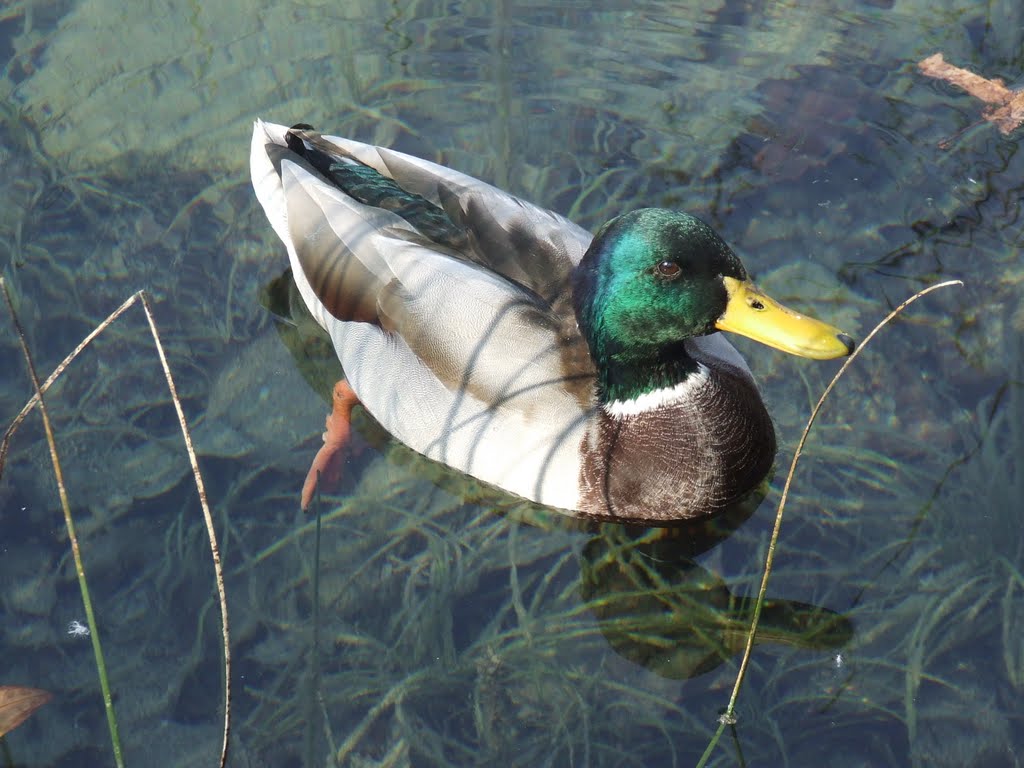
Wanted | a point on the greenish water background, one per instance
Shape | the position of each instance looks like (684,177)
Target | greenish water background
(453,631)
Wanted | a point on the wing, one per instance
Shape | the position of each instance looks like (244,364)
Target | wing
(529,245)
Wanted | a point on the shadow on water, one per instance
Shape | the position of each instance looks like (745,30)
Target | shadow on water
(660,609)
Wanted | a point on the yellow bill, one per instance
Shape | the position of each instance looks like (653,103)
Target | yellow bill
(756,315)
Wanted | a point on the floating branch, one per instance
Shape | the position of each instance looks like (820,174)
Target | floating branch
(1006,108)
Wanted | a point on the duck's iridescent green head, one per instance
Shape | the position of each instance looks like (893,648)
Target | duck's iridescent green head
(653,278)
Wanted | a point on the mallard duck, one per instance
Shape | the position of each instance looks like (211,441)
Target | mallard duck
(584,373)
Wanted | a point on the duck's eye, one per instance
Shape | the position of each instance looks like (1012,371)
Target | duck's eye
(668,269)
(755,304)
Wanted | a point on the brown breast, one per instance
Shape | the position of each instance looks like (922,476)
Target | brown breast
(684,460)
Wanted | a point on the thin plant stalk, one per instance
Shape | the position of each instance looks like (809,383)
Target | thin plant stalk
(94,635)
(141,297)
(729,716)
(314,662)
(211,530)
(34,400)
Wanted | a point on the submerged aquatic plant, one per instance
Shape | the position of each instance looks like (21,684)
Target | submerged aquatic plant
(979,518)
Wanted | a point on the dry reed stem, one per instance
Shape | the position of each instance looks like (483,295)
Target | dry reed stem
(197,475)
(208,517)
(9,434)
(729,716)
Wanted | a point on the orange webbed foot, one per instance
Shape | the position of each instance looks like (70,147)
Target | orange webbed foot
(328,460)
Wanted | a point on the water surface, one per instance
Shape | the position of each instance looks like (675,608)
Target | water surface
(451,626)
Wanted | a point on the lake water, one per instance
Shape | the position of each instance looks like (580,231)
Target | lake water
(441,624)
